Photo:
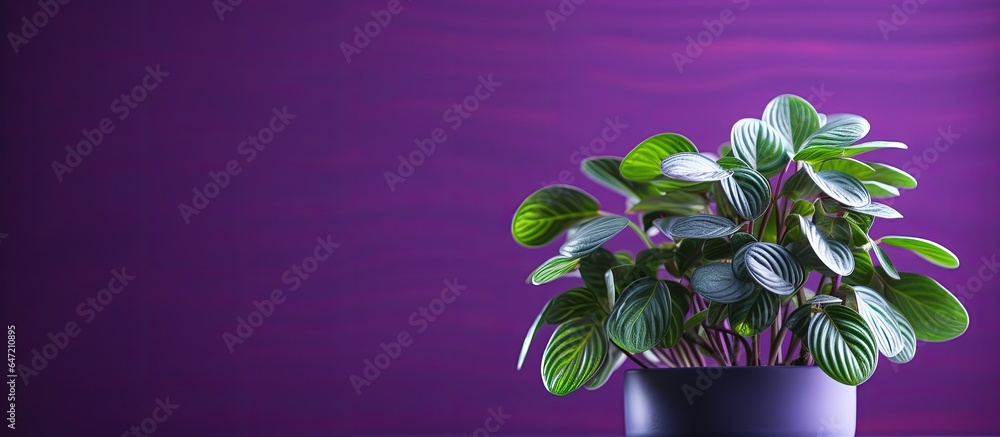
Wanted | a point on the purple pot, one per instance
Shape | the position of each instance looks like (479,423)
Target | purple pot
(738,401)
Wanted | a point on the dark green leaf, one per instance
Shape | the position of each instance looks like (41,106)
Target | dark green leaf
(748,192)
(680,302)
(594,266)
(717,283)
(793,117)
(835,255)
(754,314)
(799,186)
(814,155)
(842,344)
(774,268)
(539,321)
(884,262)
(611,363)
(695,319)
(702,226)
(760,145)
(881,321)
(592,235)
(717,313)
(842,187)
(909,340)
(641,316)
(576,303)
(840,132)
(863,269)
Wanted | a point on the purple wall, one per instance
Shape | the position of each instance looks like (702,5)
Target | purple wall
(323,174)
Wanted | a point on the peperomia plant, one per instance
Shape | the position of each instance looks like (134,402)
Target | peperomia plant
(744,241)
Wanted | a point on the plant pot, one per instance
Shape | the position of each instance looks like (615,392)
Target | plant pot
(794,401)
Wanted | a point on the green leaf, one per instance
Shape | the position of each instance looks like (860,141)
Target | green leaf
(573,355)
(680,302)
(793,117)
(643,162)
(673,203)
(641,317)
(695,319)
(539,321)
(909,340)
(798,321)
(606,171)
(594,266)
(692,167)
(652,259)
(850,166)
(717,283)
(748,192)
(774,268)
(703,226)
(936,315)
(864,270)
(880,190)
(890,175)
(835,255)
(716,249)
(842,187)
(883,261)
(740,239)
(840,132)
(876,209)
(611,363)
(687,255)
(799,186)
(717,313)
(926,249)
(842,344)
(754,314)
(592,235)
(574,304)
(815,155)
(548,212)
(879,316)
(760,145)
(555,268)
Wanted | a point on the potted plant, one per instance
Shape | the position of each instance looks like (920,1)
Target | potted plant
(761,310)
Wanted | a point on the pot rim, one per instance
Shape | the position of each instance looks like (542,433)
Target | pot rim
(723,368)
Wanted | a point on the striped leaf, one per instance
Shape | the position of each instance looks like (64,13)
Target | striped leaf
(574,353)
(884,261)
(555,268)
(760,145)
(864,270)
(641,316)
(815,155)
(876,209)
(549,212)
(753,315)
(835,255)
(890,175)
(909,340)
(926,249)
(850,166)
(643,162)
(702,226)
(840,132)
(879,316)
(774,268)
(611,363)
(748,192)
(793,117)
(800,186)
(842,187)
(680,302)
(842,344)
(539,321)
(607,171)
(880,190)
(692,167)
(574,304)
(934,313)
(594,266)
(717,313)
(592,235)
(717,283)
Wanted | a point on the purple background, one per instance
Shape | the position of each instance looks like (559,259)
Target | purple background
(324,175)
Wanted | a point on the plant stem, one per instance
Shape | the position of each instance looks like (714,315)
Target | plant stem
(777,340)
(836,285)
(645,238)
(634,359)
(756,351)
